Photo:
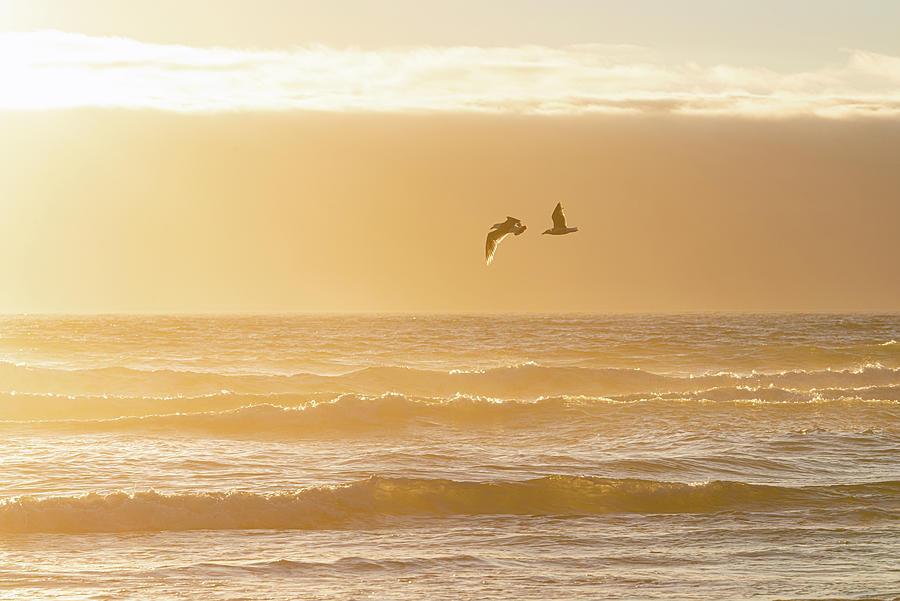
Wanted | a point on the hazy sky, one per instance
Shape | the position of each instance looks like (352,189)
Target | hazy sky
(341,156)
(796,34)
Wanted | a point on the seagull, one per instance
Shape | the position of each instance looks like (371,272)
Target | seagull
(559,222)
(498,232)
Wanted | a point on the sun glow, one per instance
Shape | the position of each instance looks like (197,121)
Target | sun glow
(51,69)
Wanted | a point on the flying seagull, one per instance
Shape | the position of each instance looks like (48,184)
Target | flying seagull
(559,222)
(498,232)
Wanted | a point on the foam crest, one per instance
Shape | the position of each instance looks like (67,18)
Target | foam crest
(49,406)
(345,565)
(347,413)
(356,414)
(775,394)
(365,502)
(524,381)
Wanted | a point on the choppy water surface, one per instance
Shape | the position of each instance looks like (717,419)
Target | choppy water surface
(409,457)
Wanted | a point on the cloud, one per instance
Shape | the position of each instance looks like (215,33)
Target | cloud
(51,69)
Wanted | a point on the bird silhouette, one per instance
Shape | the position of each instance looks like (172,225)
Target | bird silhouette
(498,232)
(559,223)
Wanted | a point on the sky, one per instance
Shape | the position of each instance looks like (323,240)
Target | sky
(350,156)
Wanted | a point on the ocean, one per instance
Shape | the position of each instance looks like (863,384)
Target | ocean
(276,457)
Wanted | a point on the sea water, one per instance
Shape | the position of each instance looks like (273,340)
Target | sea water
(450,457)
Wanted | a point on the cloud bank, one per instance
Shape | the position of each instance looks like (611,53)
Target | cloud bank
(51,69)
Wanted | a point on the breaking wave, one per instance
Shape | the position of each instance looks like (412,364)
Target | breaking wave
(365,502)
(525,381)
(350,413)
(48,406)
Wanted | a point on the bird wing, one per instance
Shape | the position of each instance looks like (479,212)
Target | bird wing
(493,239)
(559,217)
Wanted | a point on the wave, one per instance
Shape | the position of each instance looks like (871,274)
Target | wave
(525,381)
(353,565)
(349,414)
(365,502)
(49,406)
(775,394)
(344,565)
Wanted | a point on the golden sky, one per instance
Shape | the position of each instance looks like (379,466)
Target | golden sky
(317,165)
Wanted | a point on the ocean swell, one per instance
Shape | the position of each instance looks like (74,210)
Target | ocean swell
(524,382)
(366,502)
(356,414)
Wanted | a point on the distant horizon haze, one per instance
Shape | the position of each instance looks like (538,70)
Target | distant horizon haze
(147,211)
